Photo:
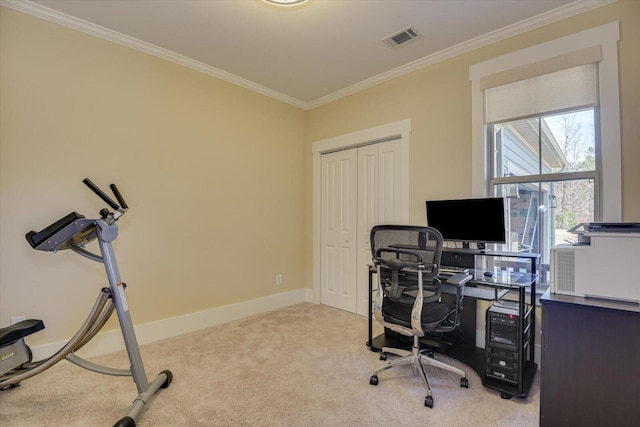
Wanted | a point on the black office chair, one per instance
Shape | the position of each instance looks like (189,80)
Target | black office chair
(408,297)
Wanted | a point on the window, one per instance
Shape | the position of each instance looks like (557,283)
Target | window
(547,137)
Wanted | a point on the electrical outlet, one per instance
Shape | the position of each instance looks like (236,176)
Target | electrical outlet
(17,319)
(278,279)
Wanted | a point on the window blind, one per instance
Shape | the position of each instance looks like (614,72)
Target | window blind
(565,82)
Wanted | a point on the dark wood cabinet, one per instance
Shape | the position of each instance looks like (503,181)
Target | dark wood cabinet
(590,372)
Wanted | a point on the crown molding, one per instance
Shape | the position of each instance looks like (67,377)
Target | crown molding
(575,8)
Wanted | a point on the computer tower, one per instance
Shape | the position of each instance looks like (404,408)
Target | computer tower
(504,342)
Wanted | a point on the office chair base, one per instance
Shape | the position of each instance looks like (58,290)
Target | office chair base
(417,359)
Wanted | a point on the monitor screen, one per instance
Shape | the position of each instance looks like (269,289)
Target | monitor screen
(469,220)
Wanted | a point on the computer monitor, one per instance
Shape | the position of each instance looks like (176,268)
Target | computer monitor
(479,220)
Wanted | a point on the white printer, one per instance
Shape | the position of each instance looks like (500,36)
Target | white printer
(604,264)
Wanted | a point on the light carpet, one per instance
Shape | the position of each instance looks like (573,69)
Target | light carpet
(303,365)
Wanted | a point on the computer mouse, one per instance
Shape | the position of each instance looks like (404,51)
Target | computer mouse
(488,273)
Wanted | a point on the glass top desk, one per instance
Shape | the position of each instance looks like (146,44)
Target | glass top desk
(518,287)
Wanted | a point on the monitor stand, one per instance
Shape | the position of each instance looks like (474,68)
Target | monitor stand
(481,248)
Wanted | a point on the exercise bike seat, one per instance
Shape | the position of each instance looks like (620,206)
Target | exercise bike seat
(13,333)
(72,229)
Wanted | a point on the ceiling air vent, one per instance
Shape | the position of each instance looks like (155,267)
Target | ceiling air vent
(401,37)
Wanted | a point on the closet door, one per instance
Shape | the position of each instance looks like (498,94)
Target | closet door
(338,257)
(379,202)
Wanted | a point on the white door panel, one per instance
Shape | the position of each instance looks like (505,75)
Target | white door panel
(338,233)
(379,202)
(368,188)
(389,178)
(361,188)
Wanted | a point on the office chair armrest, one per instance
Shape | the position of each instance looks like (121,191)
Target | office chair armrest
(417,255)
(459,279)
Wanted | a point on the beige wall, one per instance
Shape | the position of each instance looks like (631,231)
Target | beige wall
(213,175)
(218,178)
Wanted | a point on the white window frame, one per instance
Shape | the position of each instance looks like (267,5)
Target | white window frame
(607,37)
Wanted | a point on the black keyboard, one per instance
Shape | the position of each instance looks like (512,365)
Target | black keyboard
(451,270)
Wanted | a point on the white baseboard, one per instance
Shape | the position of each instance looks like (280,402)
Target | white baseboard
(110,341)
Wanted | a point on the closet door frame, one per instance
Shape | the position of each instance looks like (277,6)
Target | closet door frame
(396,130)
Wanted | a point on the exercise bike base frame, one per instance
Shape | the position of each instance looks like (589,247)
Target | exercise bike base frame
(73,232)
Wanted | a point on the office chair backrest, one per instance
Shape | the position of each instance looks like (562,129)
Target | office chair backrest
(426,241)
(395,247)
(407,259)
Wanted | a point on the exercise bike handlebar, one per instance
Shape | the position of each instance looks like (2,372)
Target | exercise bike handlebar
(108,200)
(116,192)
(74,229)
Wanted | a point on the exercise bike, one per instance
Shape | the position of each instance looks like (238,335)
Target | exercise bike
(73,232)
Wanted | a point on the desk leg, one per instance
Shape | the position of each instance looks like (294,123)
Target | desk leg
(370,340)
(532,343)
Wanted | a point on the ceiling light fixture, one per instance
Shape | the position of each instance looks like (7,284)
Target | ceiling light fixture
(285,2)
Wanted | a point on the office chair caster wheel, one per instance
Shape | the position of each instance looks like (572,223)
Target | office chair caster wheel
(464,382)
(383,356)
(428,402)
(373,380)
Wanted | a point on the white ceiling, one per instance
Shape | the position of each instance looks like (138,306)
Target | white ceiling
(306,55)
